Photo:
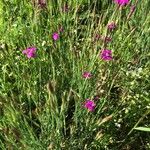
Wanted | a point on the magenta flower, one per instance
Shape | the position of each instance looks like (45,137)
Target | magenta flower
(111,26)
(30,52)
(106,54)
(121,2)
(87,75)
(55,36)
(90,105)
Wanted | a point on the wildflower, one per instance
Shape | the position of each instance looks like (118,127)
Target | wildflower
(55,36)
(111,26)
(90,105)
(121,2)
(87,75)
(30,52)
(106,54)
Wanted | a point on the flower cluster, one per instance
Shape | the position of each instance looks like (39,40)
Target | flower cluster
(105,54)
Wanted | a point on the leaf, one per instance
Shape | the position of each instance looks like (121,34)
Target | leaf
(143,129)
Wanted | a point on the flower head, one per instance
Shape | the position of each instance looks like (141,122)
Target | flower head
(111,26)
(87,75)
(55,36)
(106,54)
(121,2)
(30,52)
(89,104)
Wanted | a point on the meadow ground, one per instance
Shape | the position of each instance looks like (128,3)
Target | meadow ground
(74,75)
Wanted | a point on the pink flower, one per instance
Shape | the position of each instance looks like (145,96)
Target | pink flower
(55,36)
(111,26)
(30,52)
(87,75)
(121,2)
(90,105)
(106,54)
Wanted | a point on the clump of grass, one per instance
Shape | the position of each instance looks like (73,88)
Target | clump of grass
(74,61)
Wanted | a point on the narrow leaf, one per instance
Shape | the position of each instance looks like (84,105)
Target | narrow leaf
(143,129)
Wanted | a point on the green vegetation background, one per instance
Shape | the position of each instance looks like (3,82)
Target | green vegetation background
(41,98)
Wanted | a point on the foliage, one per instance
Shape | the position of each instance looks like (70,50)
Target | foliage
(41,98)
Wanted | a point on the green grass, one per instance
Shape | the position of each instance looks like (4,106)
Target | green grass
(41,98)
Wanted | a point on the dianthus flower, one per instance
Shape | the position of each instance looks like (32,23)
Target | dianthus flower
(106,54)
(89,104)
(121,2)
(55,36)
(30,52)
